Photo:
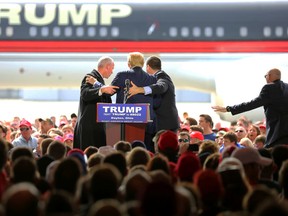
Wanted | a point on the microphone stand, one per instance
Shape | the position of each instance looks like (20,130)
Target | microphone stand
(126,93)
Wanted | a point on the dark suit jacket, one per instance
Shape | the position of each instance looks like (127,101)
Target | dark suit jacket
(274,98)
(87,131)
(140,78)
(166,111)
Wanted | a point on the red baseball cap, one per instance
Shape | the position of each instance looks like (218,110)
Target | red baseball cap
(197,134)
(25,123)
(168,139)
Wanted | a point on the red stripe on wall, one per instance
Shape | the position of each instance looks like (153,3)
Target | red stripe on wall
(146,46)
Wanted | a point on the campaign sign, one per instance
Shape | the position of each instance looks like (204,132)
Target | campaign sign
(124,113)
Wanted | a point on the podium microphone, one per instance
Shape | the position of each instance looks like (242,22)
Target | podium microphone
(126,91)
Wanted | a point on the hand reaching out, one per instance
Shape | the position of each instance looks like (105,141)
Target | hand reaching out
(109,89)
(133,90)
(219,109)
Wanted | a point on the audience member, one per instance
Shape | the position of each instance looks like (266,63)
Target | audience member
(279,155)
(219,137)
(44,145)
(230,139)
(25,139)
(94,159)
(56,150)
(235,185)
(22,199)
(3,131)
(90,150)
(118,160)
(66,175)
(211,190)
(137,156)
(104,183)
(240,133)
(206,122)
(123,146)
(183,141)
(3,161)
(259,141)
(159,199)
(246,142)
(187,165)
(253,132)
(168,145)
(252,162)
(59,203)
(46,125)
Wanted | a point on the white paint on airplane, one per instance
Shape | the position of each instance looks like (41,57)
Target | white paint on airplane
(230,78)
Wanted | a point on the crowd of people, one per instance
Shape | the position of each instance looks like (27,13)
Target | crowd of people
(202,169)
(186,166)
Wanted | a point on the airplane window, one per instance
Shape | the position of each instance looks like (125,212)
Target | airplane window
(33,31)
(220,31)
(91,31)
(115,31)
(68,32)
(184,31)
(79,31)
(243,31)
(196,31)
(56,31)
(279,31)
(208,32)
(267,31)
(103,32)
(44,31)
(173,32)
(9,31)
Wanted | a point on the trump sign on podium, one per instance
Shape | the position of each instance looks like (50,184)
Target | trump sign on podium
(123,113)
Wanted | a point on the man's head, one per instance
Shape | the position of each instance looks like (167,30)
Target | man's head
(230,139)
(240,132)
(272,75)
(196,137)
(153,64)
(3,131)
(46,125)
(183,137)
(135,59)
(106,66)
(25,128)
(205,121)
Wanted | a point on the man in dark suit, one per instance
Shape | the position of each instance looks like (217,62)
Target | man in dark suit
(166,111)
(274,98)
(87,131)
(138,76)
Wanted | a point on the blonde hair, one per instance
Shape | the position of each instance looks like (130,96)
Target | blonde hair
(136,59)
(246,142)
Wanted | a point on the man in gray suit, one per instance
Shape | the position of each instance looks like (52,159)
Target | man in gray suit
(166,110)
(274,98)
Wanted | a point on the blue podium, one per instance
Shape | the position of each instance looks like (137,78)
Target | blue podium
(123,121)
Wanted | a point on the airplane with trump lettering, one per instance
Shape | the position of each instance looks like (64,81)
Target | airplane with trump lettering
(217,47)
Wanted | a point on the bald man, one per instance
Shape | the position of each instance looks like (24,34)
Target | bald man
(274,98)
